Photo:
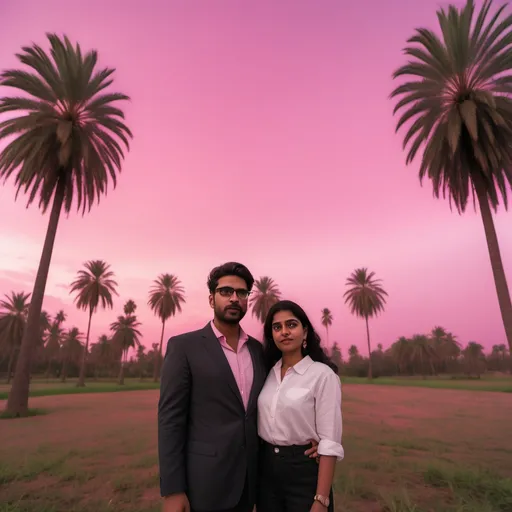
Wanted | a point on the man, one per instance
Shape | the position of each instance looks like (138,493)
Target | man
(207,419)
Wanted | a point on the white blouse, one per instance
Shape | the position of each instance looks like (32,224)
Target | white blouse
(305,405)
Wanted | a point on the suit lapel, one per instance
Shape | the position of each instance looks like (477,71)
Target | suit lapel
(218,358)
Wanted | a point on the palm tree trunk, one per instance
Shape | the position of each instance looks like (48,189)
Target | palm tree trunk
(156,369)
(500,279)
(327,334)
(10,365)
(370,373)
(47,372)
(81,378)
(120,379)
(17,402)
(64,369)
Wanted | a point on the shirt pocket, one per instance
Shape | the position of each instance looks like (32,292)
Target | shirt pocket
(297,394)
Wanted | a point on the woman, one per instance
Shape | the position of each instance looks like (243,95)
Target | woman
(301,400)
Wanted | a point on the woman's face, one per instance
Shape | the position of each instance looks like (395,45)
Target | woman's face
(288,332)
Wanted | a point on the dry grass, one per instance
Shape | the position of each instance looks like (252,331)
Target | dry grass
(407,450)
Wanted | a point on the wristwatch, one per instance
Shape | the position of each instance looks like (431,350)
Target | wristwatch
(323,500)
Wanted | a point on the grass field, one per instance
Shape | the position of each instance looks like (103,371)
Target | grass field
(43,387)
(408,449)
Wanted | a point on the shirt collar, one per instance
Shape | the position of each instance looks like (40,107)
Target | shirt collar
(242,338)
(300,367)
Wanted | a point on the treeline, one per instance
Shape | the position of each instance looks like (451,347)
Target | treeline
(424,355)
(438,353)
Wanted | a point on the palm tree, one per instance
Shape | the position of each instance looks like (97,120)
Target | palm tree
(474,358)
(13,319)
(65,150)
(401,351)
(125,335)
(266,295)
(458,100)
(102,353)
(129,307)
(95,284)
(367,298)
(326,321)
(71,349)
(336,356)
(53,340)
(165,299)
(423,352)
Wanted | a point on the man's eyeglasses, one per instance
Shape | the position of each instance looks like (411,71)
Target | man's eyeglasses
(227,291)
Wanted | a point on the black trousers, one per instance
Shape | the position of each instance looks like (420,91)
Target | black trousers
(288,480)
(242,506)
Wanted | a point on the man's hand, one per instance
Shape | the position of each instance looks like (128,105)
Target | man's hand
(312,452)
(176,503)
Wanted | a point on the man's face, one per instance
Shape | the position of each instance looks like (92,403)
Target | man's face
(227,306)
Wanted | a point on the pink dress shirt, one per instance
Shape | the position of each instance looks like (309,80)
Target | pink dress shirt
(240,362)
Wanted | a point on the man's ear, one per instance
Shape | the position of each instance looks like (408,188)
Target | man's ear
(211,301)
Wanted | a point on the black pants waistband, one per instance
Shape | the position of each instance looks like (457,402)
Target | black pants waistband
(293,450)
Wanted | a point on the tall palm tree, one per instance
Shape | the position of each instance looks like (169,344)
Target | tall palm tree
(326,321)
(366,298)
(13,318)
(266,294)
(457,99)
(67,146)
(93,285)
(165,299)
(125,335)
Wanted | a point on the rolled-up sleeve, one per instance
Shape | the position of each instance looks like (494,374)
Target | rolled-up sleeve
(329,422)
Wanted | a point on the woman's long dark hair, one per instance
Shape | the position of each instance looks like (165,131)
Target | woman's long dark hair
(313,348)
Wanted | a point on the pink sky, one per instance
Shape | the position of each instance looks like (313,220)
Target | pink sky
(262,133)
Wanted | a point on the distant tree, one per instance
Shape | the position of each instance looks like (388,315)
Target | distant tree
(165,299)
(94,285)
(13,319)
(72,349)
(265,294)
(366,298)
(336,355)
(125,335)
(327,321)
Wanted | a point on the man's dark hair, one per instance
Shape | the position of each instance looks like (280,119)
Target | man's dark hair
(231,268)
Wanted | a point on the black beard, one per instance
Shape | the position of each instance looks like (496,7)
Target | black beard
(226,318)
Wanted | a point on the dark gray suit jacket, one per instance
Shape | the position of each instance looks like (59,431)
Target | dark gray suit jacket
(207,441)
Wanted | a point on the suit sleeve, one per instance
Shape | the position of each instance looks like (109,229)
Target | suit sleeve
(172,419)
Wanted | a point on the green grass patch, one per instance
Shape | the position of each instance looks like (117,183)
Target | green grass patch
(481,486)
(494,385)
(71,389)
(398,502)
